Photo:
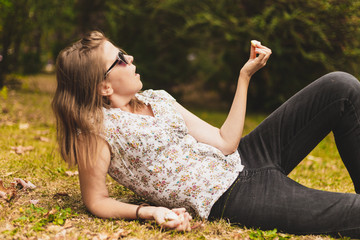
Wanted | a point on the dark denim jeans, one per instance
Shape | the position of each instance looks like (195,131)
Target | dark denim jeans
(264,197)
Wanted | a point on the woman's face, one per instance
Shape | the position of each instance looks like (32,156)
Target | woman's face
(123,79)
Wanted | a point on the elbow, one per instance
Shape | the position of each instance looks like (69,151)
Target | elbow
(96,207)
(227,145)
(100,211)
(227,150)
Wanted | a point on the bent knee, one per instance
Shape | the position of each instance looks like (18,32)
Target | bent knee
(343,82)
(342,78)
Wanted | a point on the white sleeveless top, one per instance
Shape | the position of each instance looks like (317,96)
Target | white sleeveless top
(157,159)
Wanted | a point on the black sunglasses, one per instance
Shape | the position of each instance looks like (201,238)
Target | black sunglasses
(120,58)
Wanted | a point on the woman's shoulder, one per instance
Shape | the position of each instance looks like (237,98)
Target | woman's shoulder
(156,95)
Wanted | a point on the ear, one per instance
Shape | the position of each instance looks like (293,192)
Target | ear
(105,89)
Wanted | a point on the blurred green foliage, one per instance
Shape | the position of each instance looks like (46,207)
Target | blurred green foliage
(182,41)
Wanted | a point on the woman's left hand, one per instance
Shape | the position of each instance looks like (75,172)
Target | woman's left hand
(181,223)
(259,55)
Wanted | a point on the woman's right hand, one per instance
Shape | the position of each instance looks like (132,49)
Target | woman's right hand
(182,223)
(259,55)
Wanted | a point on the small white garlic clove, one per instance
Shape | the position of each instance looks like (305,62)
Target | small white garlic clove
(171,216)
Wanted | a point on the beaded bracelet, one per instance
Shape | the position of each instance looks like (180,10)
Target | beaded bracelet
(138,209)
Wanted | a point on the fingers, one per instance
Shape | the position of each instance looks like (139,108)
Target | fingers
(185,224)
(263,52)
(181,223)
(259,55)
(257,44)
(160,216)
(252,52)
(264,48)
(178,210)
(173,224)
(254,45)
(257,48)
(264,55)
(182,211)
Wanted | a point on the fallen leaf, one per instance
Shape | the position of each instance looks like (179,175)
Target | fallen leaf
(33,201)
(8,174)
(23,126)
(21,150)
(2,188)
(89,234)
(7,193)
(60,194)
(51,212)
(67,224)
(44,237)
(8,123)
(313,158)
(24,183)
(9,227)
(101,236)
(61,234)
(54,228)
(42,132)
(120,234)
(3,194)
(70,173)
(42,139)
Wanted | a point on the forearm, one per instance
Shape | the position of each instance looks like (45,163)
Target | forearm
(232,129)
(111,208)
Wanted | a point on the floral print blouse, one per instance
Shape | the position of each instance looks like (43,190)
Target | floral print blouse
(157,159)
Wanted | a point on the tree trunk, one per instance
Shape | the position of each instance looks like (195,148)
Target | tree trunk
(90,15)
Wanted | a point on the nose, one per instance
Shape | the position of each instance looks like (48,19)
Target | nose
(129,58)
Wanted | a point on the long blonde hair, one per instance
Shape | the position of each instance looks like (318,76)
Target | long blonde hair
(77,103)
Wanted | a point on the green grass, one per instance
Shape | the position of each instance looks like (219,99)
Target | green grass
(60,212)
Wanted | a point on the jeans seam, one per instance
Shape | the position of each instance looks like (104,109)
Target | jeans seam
(258,170)
(353,108)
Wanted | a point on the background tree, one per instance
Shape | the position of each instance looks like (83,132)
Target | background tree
(29,29)
(13,15)
(179,42)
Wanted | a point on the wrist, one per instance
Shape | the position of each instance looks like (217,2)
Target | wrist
(244,75)
(146,212)
(243,81)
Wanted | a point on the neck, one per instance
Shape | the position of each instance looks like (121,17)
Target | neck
(121,102)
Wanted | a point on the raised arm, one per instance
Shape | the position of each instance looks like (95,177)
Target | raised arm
(96,197)
(227,138)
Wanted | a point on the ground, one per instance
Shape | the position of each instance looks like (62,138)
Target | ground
(54,210)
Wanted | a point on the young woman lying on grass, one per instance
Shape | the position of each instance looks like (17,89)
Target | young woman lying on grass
(152,145)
